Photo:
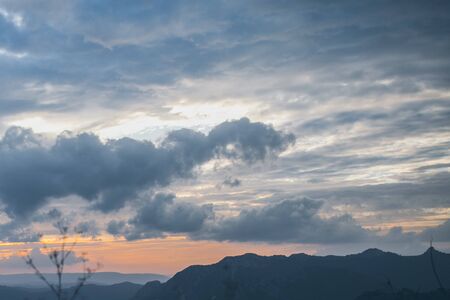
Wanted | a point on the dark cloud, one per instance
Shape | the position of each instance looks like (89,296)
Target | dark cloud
(115,227)
(440,233)
(52,215)
(110,173)
(18,137)
(10,107)
(231,182)
(250,142)
(416,118)
(162,214)
(426,192)
(276,54)
(434,167)
(295,220)
(159,43)
(18,230)
(87,228)
(397,235)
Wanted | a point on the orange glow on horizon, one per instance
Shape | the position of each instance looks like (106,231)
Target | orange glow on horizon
(163,256)
(168,256)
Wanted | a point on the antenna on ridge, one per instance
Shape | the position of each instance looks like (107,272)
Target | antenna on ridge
(433,267)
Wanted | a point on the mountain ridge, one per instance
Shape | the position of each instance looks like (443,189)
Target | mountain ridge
(70,279)
(250,276)
(119,291)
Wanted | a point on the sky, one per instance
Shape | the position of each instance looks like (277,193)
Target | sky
(173,133)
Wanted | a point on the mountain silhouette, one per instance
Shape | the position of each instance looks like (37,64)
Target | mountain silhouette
(301,276)
(121,291)
(405,294)
(71,279)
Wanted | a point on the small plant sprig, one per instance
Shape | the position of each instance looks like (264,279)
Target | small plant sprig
(58,258)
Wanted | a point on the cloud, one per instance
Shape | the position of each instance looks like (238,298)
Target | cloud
(19,138)
(115,227)
(39,258)
(134,49)
(17,231)
(420,117)
(397,235)
(293,220)
(53,214)
(162,214)
(14,18)
(270,60)
(251,142)
(428,191)
(110,173)
(298,220)
(87,228)
(230,182)
(439,233)
(7,53)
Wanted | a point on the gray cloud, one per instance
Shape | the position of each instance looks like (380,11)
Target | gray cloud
(40,259)
(274,56)
(19,138)
(115,227)
(426,192)
(440,233)
(294,220)
(251,142)
(231,182)
(434,167)
(17,231)
(397,235)
(110,173)
(87,228)
(53,214)
(411,118)
(161,43)
(162,214)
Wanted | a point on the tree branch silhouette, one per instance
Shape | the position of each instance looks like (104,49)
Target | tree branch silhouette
(58,257)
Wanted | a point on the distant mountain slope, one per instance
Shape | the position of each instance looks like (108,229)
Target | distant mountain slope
(300,276)
(14,293)
(100,278)
(405,294)
(121,291)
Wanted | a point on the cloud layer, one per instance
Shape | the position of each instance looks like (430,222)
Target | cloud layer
(112,172)
(294,220)
(161,215)
(364,86)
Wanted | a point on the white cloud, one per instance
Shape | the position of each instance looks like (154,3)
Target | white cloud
(7,53)
(13,18)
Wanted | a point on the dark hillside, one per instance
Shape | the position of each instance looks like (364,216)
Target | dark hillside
(300,276)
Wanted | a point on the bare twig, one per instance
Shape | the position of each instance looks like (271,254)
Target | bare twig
(87,273)
(58,258)
(29,262)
